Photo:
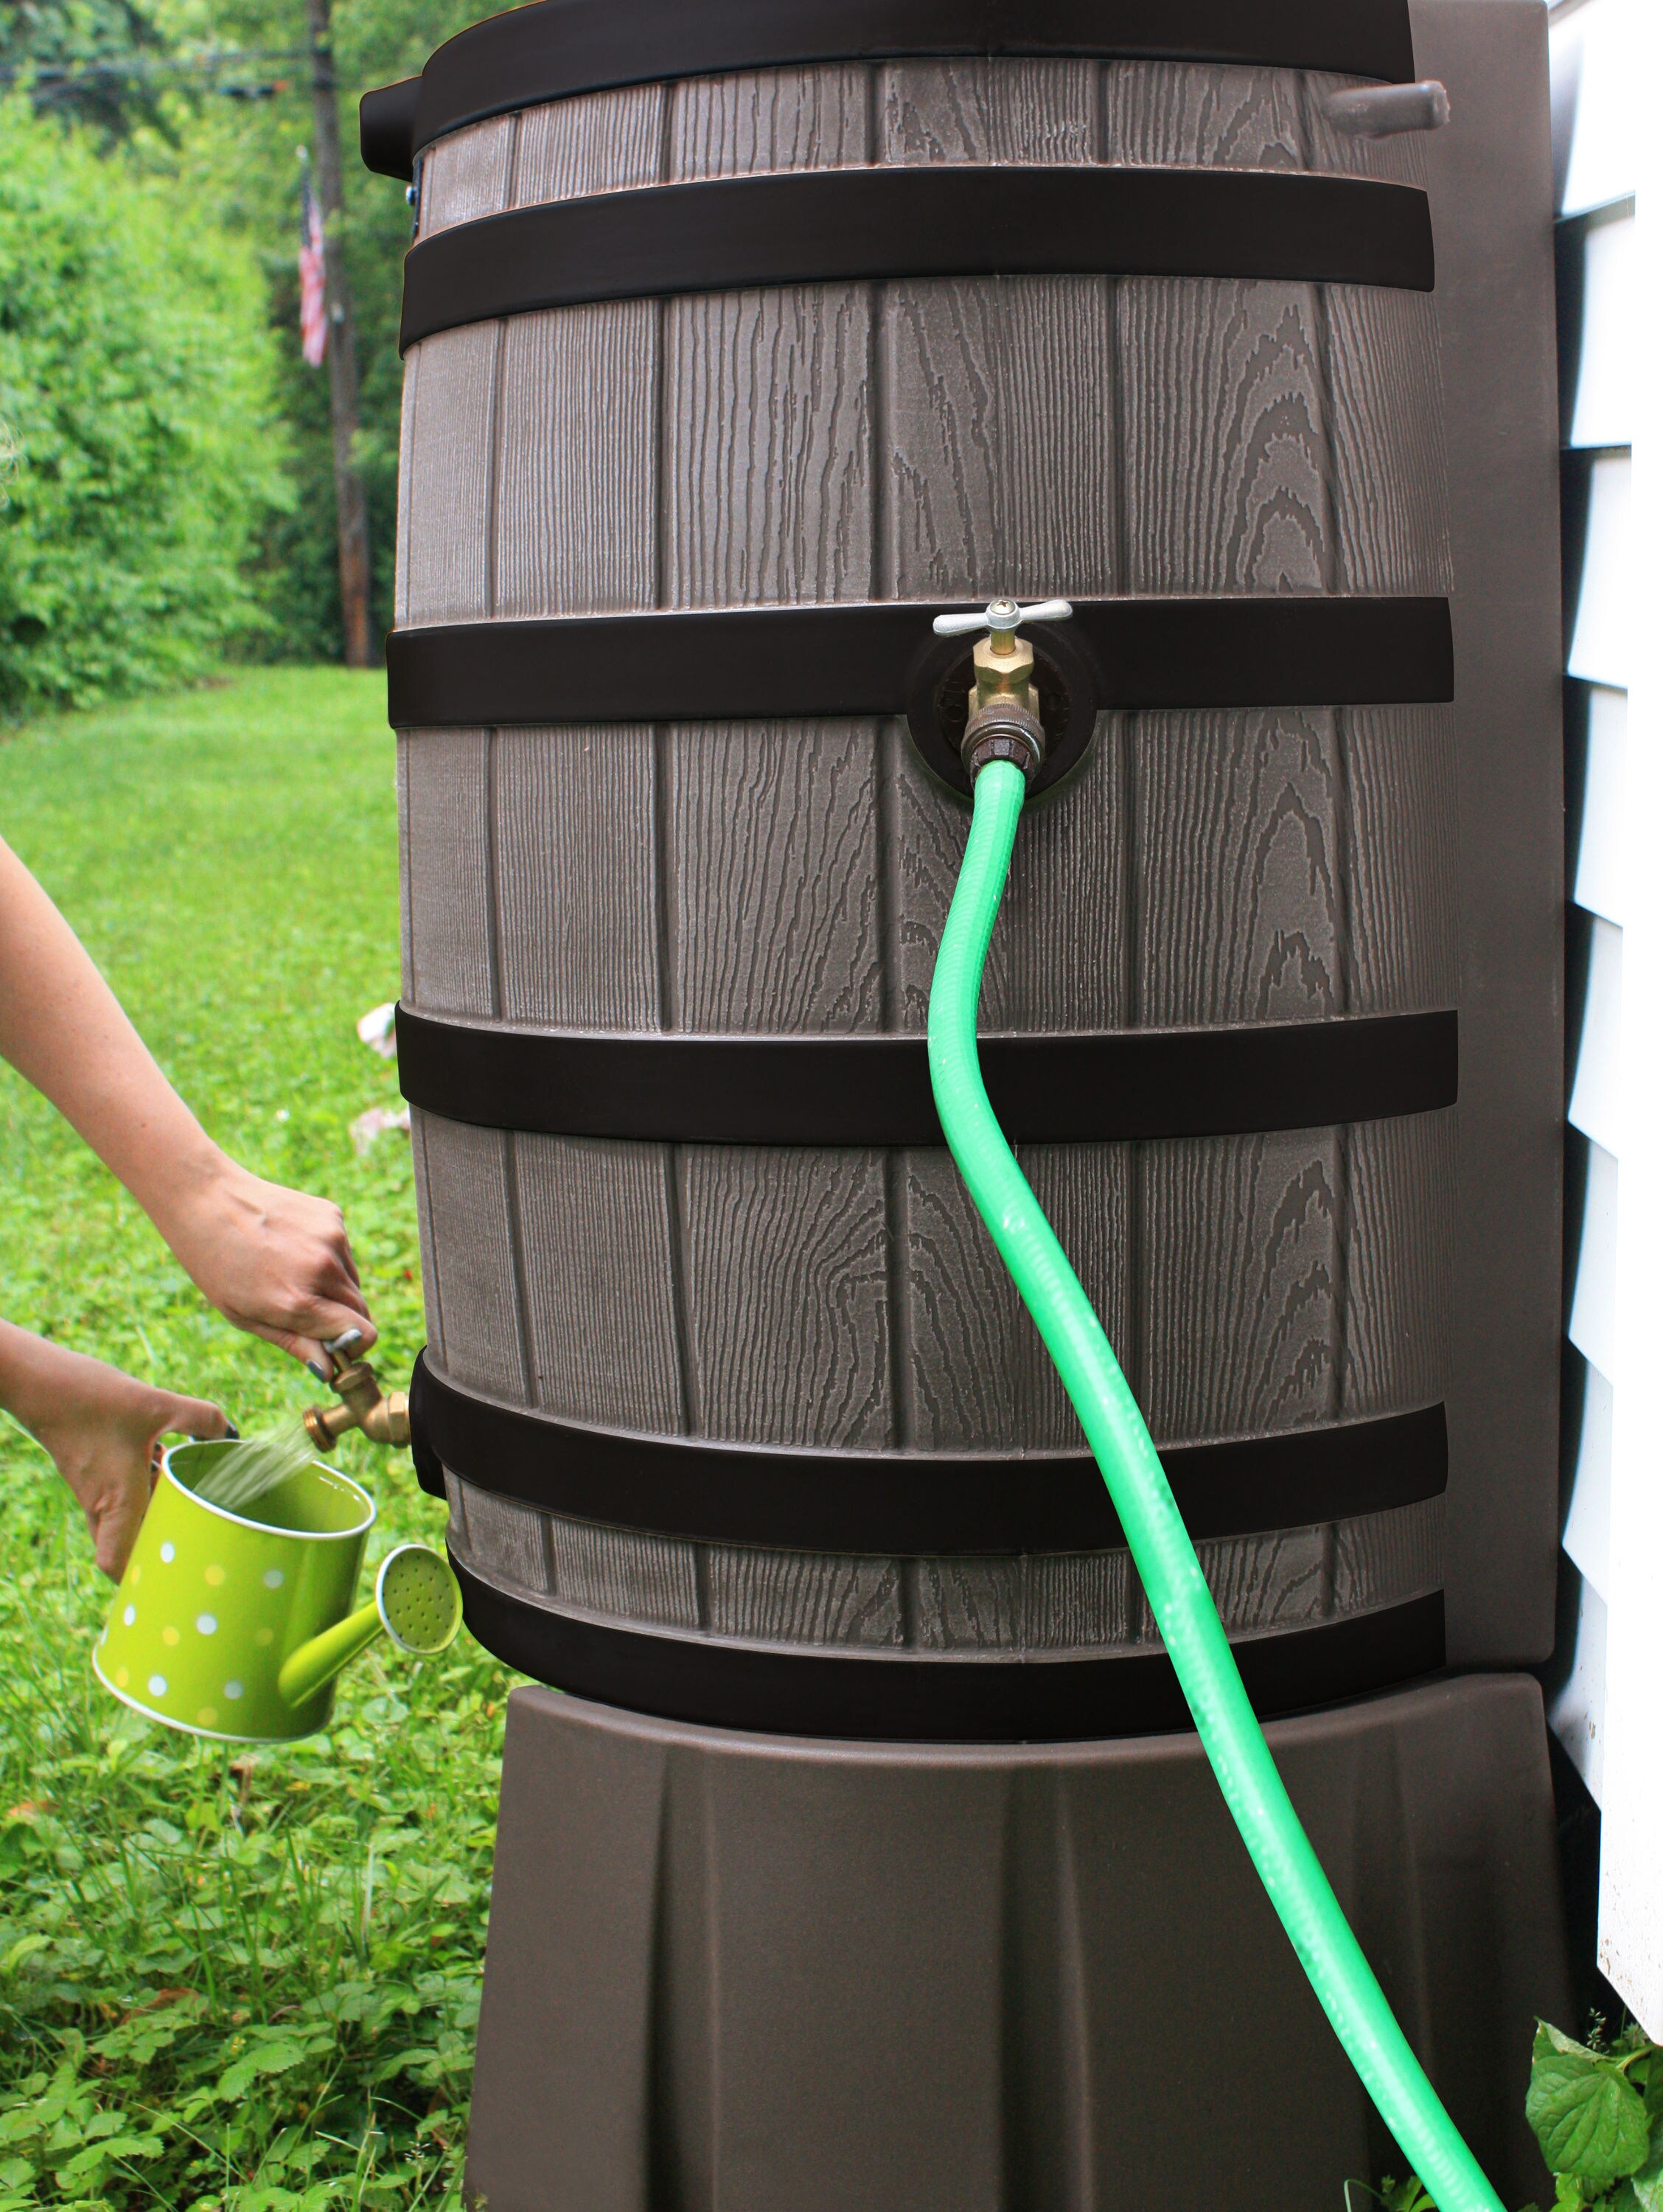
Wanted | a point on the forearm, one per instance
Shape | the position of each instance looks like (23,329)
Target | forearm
(63,1029)
(44,1385)
(30,1367)
(273,1261)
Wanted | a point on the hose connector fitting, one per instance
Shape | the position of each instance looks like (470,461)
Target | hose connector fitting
(384,1416)
(1002,730)
(1004,722)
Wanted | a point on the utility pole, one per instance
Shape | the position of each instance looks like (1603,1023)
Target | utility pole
(352,519)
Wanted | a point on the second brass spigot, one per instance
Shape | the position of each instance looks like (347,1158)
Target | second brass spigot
(384,1416)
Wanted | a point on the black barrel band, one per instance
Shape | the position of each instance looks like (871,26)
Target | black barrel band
(768,663)
(871,1090)
(529,55)
(912,1503)
(690,1678)
(859,225)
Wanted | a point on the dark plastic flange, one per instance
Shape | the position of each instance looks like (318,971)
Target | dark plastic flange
(939,705)
(386,129)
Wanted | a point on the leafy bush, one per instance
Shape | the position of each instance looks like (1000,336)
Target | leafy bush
(243,155)
(135,375)
(1598,2112)
(1597,2109)
(85,58)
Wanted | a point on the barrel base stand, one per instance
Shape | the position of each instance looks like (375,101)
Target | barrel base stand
(748,1973)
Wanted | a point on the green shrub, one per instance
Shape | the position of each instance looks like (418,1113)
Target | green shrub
(1597,2111)
(243,155)
(135,381)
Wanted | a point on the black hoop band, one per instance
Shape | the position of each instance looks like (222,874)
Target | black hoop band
(693,1678)
(780,662)
(529,55)
(912,1503)
(864,225)
(870,1090)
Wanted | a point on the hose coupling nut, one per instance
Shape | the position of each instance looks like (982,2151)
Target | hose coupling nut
(1004,729)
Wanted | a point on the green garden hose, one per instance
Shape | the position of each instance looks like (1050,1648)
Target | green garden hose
(1178,1594)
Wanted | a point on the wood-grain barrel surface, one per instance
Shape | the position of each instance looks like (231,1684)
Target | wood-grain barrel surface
(925,440)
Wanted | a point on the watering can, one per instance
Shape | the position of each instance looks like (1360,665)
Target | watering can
(236,1627)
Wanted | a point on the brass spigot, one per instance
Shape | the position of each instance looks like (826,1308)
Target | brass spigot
(1003,664)
(384,1416)
(1005,722)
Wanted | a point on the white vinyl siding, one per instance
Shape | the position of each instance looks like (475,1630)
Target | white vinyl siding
(1605,1708)
(1595,181)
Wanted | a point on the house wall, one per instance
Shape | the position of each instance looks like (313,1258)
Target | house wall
(1604,1704)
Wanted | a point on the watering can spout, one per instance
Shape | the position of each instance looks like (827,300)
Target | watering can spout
(416,1603)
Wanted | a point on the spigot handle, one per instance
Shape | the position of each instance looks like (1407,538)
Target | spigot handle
(1002,614)
(340,1348)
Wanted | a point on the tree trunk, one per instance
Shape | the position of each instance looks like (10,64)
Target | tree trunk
(351,516)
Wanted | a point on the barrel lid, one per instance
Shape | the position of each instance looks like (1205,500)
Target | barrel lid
(557,47)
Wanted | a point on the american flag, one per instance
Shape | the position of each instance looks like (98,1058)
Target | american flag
(314,323)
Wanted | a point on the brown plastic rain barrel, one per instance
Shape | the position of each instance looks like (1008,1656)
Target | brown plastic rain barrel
(872,1863)
(740,1420)
(755,1432)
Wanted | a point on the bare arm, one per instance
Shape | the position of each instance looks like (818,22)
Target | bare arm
(100,1426)
(275,1261)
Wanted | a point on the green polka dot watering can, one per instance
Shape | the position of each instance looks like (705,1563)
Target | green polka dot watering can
(236,1627)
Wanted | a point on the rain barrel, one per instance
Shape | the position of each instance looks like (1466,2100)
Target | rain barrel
(738,343)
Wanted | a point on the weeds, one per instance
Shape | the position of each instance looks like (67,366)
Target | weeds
(230,1980)
(1597,2109)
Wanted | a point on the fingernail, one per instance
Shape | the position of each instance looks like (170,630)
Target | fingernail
(313,1368)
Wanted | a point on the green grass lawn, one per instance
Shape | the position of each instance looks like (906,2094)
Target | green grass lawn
(226,1980)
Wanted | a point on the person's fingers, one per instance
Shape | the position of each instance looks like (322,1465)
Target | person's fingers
(338,1246)
(113,1522)
(309,1350)
(336,1320)
(348,1290)
(190,1416)
(347,1257)
(316,1312)
(306,1317)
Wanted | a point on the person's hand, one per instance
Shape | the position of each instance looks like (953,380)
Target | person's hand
(102,1427)
(275,1261)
